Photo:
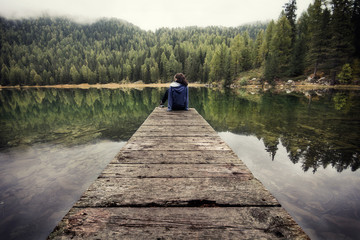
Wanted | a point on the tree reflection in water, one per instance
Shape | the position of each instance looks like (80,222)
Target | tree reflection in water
(316,133)
(318,129)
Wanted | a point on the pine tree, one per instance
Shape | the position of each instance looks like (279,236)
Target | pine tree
(259,54)
(172,67)
(290,13)
(16,76)
(355,23)
(192,67)
(4,75)
(38,80)
(342,47)
(246,52)
(75,75)
(103,76)
(270,30)
(271,68)
(319,31)
(236,62)
(280,49)
(219,65)
(154,72)
(297,64)
(127,70)
(162,66)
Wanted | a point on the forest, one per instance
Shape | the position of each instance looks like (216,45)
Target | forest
(323,41)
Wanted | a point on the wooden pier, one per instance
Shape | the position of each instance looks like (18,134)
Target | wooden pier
(176,179)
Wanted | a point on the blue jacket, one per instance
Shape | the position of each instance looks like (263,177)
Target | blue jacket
(178,98)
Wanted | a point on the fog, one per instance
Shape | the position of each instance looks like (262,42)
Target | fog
(151,15)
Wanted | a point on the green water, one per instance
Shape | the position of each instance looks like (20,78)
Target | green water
(303,146)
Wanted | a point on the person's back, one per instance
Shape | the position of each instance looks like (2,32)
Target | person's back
(178,98)
(178,94)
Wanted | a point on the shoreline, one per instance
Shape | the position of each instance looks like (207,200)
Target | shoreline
(98,85)
(158,85)
(304,87)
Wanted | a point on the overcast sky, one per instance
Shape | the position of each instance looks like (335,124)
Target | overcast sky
(154,14)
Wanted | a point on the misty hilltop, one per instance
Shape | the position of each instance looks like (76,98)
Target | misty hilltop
(58,50)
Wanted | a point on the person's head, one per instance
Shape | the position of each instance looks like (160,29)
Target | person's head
(180,78)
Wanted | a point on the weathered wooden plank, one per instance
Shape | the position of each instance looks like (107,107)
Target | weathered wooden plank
(176,115)
(160,128)
(175,192)
(185,131)
(176,171)
(161,117)
(176,156)
(176,143)
(153,130)
(173,122)
(177,140)
(164,110)
(178,223)
(174,134)
(160,112)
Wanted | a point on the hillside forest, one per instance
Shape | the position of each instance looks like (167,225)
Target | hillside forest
(323,41)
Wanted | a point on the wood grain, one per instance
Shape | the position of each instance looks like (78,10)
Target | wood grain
(239,171)
(178,223)
(177,179)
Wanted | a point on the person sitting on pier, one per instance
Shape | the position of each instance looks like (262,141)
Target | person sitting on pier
(178,94)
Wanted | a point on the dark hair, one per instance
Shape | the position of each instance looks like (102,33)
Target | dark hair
(180,78)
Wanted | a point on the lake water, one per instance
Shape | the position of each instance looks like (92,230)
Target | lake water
(303,146)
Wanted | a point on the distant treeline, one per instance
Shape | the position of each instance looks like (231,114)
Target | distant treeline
(324,41)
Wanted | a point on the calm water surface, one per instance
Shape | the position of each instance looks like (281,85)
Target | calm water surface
(303,146)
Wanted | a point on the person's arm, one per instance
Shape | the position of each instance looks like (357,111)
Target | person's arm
(170,100)
(187,98)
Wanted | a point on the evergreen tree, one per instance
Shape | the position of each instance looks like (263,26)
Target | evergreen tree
(279,50)
(246,51)
(236,63)
(103,76)
(355,23)
(319,29)
(75,76)
(172,67)
(297,64)
(16,76)
(270,30)
(87,75)
(4,75)
(290,13)
(38,79)
(162,66)
(192,67)
(154,73)
(271,68)
(219,65)
(127,70)
(259,54)
(342,47)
